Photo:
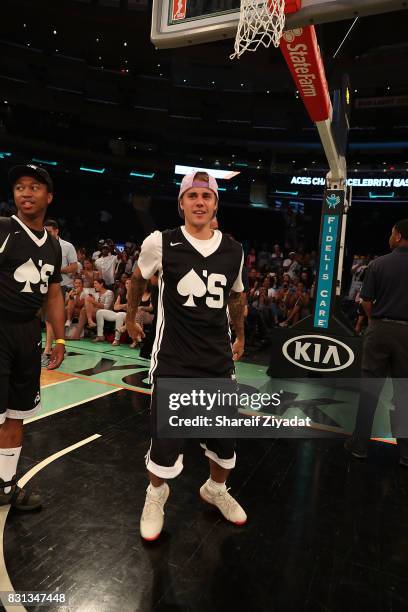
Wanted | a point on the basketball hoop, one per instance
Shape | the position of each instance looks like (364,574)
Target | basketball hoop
(261,22)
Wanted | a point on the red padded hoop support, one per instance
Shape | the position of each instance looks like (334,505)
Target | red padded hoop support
(292,6)
(302,54)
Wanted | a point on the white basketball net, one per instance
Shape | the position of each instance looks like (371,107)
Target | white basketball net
(261,22)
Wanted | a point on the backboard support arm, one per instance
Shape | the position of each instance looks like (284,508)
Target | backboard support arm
(336,162)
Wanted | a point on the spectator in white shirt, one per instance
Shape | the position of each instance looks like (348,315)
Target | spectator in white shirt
(103,300)
(81,254)
(97,253)
(106,265)
(118,315)
(358,269)
(292,265)
(74,301)
(69,265)
(88,275)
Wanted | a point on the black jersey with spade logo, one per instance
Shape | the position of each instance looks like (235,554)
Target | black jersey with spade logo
(29,261)
(192,333)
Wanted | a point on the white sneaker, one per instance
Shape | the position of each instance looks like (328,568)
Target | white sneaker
(226,504)
(68,323)
(152,519)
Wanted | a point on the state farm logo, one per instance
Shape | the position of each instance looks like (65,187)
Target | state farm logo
(302,54)
(318,353)
(290,35)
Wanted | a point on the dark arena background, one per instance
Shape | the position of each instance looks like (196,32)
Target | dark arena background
(117,122)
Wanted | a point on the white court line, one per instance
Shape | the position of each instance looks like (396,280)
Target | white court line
(89,399)
(5,583)
(34,470)
(58,382)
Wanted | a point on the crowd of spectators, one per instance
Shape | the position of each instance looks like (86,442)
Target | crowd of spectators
(99,291)
(97,302)
(280,288)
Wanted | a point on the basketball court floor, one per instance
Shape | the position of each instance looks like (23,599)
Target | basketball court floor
(324,530)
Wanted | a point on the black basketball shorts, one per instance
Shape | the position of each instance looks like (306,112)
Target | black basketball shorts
(165,455)
(20,369)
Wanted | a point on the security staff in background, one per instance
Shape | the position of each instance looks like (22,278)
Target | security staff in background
(385,349)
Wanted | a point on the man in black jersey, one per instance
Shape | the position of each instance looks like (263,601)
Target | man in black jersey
(30,263)
(200,273)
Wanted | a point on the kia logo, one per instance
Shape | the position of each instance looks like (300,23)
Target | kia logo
(318,353)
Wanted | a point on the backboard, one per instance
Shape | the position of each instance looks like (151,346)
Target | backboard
(180,23)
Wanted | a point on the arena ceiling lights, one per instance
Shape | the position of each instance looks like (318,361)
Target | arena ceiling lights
(216,173)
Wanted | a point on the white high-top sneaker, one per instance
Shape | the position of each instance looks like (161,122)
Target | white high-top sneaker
(226,504)
(152,519)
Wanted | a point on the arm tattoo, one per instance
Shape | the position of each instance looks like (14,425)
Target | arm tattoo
(236,308)
(134,296)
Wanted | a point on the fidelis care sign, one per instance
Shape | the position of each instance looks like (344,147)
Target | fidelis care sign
(333,206)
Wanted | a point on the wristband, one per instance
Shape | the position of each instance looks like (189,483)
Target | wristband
(60,341)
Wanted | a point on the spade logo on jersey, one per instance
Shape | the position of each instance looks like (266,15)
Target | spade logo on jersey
(192,285)
(29,274)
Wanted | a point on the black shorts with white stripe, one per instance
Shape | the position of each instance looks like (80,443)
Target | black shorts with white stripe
(165,455)
(20,368)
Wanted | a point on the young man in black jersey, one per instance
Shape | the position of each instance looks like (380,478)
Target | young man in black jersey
(30,263)
(200,273)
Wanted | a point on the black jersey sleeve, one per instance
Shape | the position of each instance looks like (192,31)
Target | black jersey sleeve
(5,229)
(56,275)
